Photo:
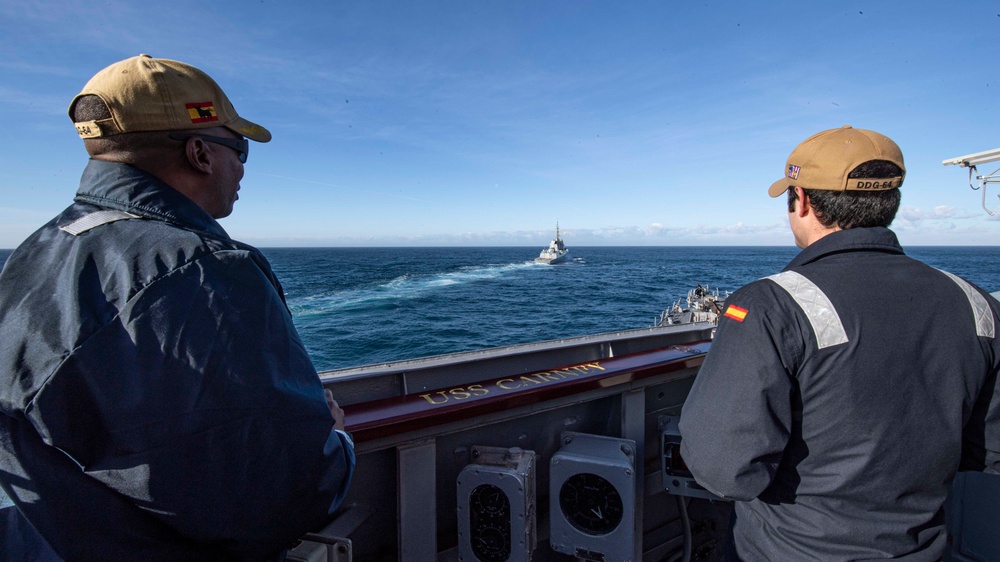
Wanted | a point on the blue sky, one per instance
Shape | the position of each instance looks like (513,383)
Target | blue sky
(469,122)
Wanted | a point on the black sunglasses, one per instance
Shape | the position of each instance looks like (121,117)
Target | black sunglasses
(241,145)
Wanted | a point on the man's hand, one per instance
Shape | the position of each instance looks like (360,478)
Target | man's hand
(338,414)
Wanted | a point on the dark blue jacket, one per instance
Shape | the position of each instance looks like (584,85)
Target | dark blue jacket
(156,402)
(840,397)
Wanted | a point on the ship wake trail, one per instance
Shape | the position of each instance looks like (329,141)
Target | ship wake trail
(387,294)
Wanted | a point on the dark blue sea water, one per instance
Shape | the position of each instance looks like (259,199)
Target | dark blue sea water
(361,306)
(356,306)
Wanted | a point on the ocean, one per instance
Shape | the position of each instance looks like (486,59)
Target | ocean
(359,306)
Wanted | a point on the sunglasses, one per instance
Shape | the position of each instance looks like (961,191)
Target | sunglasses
(241,145)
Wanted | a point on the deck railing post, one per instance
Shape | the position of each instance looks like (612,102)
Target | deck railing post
(633,406)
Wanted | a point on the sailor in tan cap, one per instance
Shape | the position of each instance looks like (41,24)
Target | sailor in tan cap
(156,402)
(842,394)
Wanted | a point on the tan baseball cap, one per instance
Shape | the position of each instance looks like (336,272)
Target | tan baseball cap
(824,160)
(148,94)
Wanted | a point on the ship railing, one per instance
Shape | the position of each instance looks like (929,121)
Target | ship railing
(417,425)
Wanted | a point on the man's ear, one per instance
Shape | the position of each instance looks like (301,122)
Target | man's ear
(803,205)
(198,154)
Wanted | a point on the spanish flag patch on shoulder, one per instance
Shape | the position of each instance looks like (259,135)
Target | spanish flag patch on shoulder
(736,313)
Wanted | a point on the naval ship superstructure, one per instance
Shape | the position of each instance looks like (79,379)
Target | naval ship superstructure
(556,252)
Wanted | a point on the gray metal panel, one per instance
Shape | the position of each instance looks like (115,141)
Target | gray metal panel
(417,502)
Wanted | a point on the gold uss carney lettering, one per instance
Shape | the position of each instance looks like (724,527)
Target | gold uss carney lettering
(509,384)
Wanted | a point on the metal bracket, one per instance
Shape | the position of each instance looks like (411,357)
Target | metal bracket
(677,479)
(993,177)
(329,544)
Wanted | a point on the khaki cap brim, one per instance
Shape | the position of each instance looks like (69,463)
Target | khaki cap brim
(779,187)
(249,129)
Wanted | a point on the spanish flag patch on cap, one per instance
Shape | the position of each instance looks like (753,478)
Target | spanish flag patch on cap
(736,313)
(202,112)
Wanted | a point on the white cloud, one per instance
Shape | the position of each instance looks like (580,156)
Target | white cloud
(911,216)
